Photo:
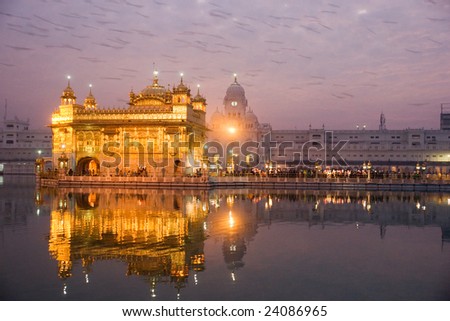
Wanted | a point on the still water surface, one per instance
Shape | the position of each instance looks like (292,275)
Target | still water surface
(117,244)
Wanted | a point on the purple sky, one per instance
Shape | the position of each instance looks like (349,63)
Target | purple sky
(339,62)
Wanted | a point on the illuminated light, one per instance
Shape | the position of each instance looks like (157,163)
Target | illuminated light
(233,277)
(418,205)
(38,211)
(232,130)
(68,77)
(424,208)
(368,207)
(205,227)
(65,289)
(87,278)
(357,225)
(316,206)
(195,279)
(270,202)
(230,219)
(448,201)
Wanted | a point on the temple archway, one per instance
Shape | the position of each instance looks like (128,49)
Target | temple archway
(88,166)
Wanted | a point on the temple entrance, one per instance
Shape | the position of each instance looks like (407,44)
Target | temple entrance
(88,166)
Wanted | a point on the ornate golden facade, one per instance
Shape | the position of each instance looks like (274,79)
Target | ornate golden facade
(162,131)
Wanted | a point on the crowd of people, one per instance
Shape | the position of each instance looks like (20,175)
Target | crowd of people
(294,172)
(306,172)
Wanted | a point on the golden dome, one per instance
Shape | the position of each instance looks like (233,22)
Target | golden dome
(155,89)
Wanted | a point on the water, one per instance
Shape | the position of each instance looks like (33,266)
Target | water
(117,244)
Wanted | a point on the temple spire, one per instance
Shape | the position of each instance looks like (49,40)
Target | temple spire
(68,95)
(90,102)
(155,76)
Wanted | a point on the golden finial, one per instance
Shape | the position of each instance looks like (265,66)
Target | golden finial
(155,76)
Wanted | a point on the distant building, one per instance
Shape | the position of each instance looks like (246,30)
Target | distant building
(235,123)
(445,116)
(237,118)
(160,133)
(391,149)
(20,145)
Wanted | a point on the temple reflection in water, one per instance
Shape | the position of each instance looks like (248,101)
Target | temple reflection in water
(158,234)
(161,235)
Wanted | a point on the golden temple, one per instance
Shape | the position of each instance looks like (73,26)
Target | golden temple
(160,133)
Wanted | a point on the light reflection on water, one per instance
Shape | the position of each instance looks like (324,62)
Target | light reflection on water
(117,244)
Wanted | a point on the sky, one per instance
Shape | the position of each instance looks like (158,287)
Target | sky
(336,63)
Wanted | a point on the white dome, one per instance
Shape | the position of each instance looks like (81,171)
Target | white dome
(235,90)
(251,117)
(235,93)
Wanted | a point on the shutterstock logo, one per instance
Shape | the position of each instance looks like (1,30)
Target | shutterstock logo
(283,153)
(238,154)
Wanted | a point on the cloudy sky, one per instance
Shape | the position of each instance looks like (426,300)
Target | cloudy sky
(338,63)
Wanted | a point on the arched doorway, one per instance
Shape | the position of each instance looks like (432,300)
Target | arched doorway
(88,166)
